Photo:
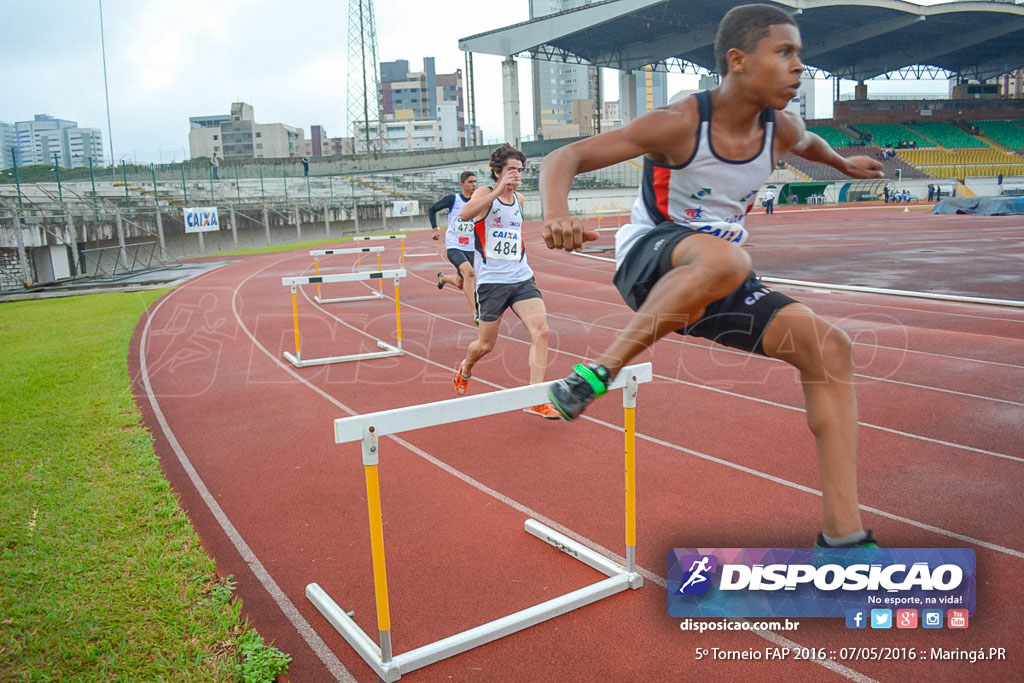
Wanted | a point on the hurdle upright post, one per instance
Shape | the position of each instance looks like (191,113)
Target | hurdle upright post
(371,459)
(316,269)
(629,428)
(380,283)
(295,321)
(398,314)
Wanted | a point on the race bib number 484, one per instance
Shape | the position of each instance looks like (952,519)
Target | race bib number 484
(505,245)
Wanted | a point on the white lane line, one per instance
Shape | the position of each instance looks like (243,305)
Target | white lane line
(329,659)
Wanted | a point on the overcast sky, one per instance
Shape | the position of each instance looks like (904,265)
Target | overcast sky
(168,60)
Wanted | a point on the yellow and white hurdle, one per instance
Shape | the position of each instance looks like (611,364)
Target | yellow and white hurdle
(317,253)
(385,237)
(389,349)
(368,429)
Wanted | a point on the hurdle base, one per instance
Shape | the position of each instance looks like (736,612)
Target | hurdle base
(375,295)
(619,579)
(389,351)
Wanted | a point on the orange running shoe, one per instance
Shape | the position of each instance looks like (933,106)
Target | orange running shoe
(461,381)
(543,410)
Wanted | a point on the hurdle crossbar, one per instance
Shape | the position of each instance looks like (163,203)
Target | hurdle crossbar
(389,349)
(367,429)
(317,253)
(384,237)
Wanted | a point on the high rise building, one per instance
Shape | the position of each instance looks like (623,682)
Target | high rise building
(319,145)
(651,89)
(8,145)
(238,136)
(424,96)
(558,85)
(46,137)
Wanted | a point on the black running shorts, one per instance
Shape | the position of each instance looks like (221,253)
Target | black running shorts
(737,320)
(457,257)
(493,299)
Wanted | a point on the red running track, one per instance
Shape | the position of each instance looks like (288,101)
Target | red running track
(724,460)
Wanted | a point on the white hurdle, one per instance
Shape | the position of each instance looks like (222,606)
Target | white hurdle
(389,350)
(317,253)
(384,237)
(367,429)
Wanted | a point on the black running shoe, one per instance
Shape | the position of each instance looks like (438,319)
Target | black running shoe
(571,395)
(440,280)
(866,542)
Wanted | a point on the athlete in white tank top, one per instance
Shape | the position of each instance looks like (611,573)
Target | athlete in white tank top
(681,280)
(500,250)
(707,193)
(504,278)
(458,239)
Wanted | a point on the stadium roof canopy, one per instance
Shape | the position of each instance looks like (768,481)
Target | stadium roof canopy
(855,39)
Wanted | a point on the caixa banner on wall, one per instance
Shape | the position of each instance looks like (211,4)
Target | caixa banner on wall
(201,219)
(806,582)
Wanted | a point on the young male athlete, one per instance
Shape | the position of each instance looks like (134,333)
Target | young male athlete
(504,279)
(704,160)
(458,239)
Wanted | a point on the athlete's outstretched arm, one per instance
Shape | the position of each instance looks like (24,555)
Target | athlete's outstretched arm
(814,148)
(644,135)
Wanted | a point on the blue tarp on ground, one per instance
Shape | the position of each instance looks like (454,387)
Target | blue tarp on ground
(985,206)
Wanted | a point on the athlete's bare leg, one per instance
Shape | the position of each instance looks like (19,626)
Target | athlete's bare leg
(487,335)
(823,355)
(468,284)
(534,316)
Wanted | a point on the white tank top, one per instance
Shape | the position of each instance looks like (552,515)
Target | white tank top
(459,234)
(707,193)
(500,252)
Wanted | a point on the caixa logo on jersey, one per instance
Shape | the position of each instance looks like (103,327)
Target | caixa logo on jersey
(806,582)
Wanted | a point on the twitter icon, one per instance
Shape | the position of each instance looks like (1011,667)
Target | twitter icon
(881,618)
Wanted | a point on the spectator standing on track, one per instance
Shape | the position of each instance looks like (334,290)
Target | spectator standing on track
(706,156)
(504,279)
(885,193)
(458,239)
(769,202)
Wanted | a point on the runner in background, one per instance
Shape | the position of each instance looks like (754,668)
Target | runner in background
(458,239)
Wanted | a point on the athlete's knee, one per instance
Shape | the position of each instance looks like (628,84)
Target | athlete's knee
(725,270)
(837,354)
(467,272)
(484,346)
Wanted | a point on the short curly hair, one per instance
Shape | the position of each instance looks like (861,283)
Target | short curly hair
(742,27)
(500,156)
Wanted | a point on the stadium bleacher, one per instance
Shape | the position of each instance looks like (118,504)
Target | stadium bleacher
(946,134)
(890,135)
(817,171)
(832,135)
(1009,134)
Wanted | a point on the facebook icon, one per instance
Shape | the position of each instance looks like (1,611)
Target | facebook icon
(856,618)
